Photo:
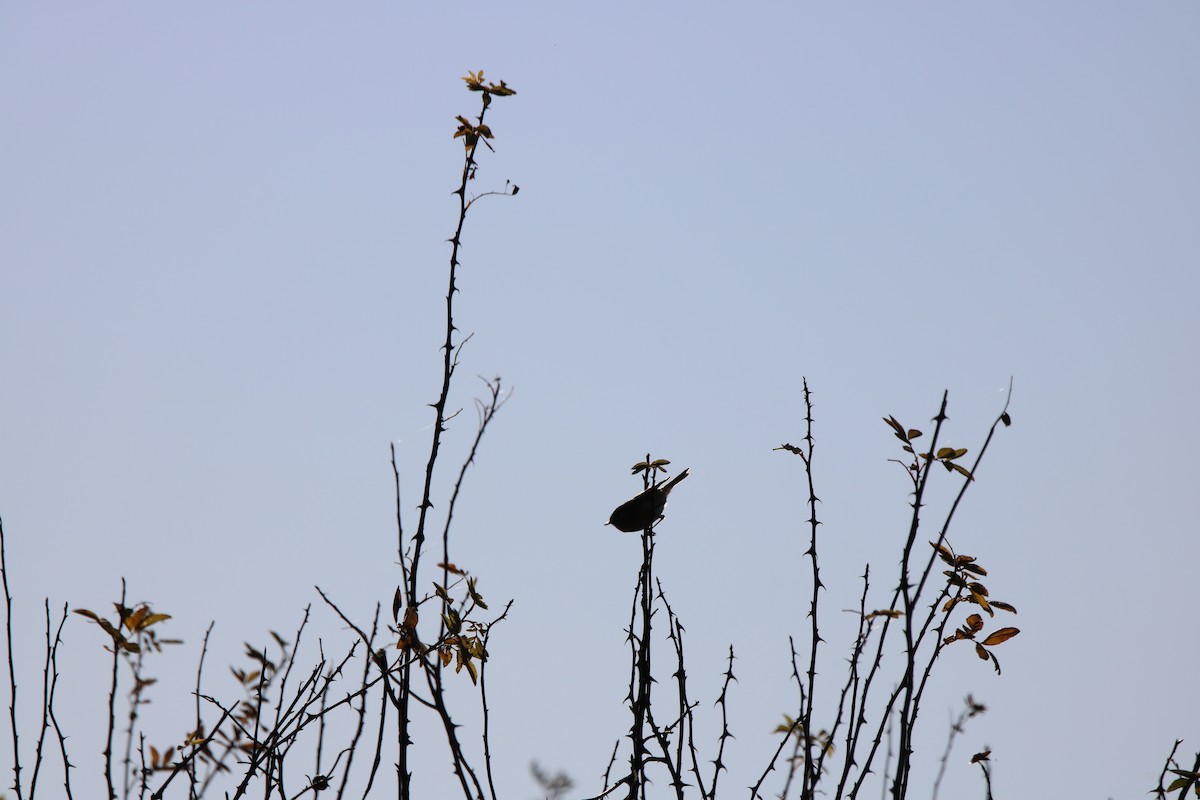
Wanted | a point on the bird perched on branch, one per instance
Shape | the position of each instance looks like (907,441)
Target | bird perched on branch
(646,509)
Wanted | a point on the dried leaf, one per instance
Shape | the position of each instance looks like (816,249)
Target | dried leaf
(1002,635)
(944,552)
(983,603)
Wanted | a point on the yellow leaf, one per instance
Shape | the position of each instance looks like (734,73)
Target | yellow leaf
(134,621)
(982,601)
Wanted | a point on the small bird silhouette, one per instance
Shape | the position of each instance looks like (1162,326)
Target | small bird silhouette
(646,509)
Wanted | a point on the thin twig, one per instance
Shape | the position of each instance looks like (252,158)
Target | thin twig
(361,711)
(62,739)
(12,672)
(112,702)
(487,744)
(809,782)
(187,760)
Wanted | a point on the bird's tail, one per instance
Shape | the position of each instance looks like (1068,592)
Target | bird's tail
(669,485)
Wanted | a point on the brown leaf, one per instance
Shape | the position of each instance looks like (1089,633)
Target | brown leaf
(111,630)
(1002,635)
(983,603)
(943,552)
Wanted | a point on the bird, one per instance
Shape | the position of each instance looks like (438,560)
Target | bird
(646,508)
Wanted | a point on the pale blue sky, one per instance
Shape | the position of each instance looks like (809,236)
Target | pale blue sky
(222,253)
